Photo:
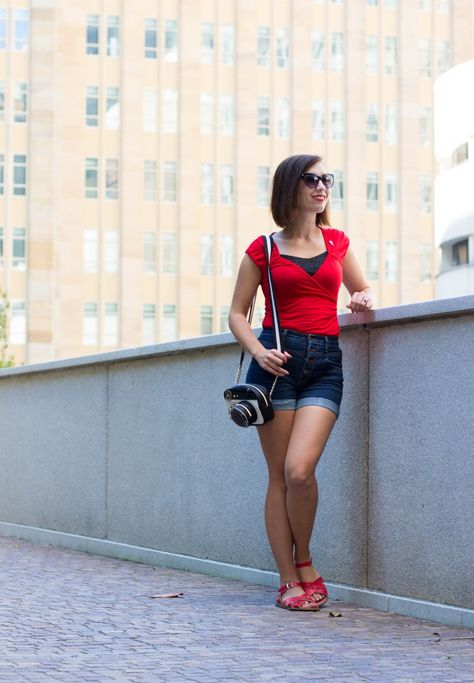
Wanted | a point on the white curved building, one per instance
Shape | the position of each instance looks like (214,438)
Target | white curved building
(454,187)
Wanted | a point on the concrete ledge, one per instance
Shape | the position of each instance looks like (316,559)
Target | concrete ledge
(430,611)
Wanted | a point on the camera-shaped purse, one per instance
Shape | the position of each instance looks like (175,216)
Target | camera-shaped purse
(249,404)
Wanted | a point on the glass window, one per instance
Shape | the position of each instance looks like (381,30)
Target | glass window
(112,108)
(224,319)
(391,193)
(426,132)
(317,50)
(372,260)
(111,179)
(171,40)
(20,102)
(168,323)
(207,113)
(227,184)
(227,44)
(148,323)
(460,253)
(3,28)
(318,120)
(425,262)
(111,251)
(263,46)
(92,34)
(92,105)
(151,39)
(372,191)
(425,4)
(263,116)
(338,119)
(149,252)
(169,253)
(372,126)
(391,56)
(337,192)
(170,182)
(19,249)
(21,20)
(2,100)
(373,3)
(207,42)
(443,5)
(263,185)
(371,54)
(90,326)
(391,124)
(206,320)
(207,254)
(111,325)
(90,251)
(425,193)
(18,322)
(390,3)
(149,180)
(444,56)
(170,111)
(19,174)
(207,183)
(227,114)
(283,117)
(91,178)
(226,256)
(337,51)
(425,58)
(391,261)
(150,110)
(113,36)
(282,47)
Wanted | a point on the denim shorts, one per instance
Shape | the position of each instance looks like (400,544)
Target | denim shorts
(315,371)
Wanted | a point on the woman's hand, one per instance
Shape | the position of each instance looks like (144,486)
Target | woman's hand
(360,301)
(272,361)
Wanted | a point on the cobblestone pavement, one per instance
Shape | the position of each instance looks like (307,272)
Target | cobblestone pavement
(68,616)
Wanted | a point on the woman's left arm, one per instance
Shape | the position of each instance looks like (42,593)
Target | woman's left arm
(362,297)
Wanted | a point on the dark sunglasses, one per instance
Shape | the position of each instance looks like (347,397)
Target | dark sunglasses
(312,180)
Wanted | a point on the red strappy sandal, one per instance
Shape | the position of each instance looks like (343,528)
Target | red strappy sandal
(312,588)
(295,603)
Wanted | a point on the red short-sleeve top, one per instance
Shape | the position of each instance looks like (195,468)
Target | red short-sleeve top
(306,303)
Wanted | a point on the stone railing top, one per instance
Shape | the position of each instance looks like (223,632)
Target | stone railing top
(383,317)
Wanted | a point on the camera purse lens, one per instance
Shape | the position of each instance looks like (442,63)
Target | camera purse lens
(243,414)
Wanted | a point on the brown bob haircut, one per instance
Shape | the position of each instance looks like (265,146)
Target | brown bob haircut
(285,189)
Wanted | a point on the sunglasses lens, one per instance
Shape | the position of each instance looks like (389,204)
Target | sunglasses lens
(310,180)
(328,180)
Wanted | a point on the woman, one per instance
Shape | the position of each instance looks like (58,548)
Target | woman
(308,263)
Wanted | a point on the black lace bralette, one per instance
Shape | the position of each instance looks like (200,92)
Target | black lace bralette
(311,265)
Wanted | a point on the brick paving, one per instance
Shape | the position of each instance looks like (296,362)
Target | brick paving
(68,616)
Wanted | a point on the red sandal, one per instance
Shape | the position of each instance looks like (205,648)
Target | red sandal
(295,603)
(312,588)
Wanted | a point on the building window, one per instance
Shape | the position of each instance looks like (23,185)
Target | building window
(373,3)
(391,193)
(168,323)
(149,180)
(148,323)
(227,114)
(282,47)
(283,123)
(318,123)
(171,40)
(425,58)
(263,46)
(92,34)
(92,105)
(169,182)
(111,251)
(150,111)
(444,56)
(263,116)
(149,252)
(91,178)
(170,111)
(263,185)
(90,251)
(151,39)
(337,192)
(21,20)
(113,36)
(169,253)
(337,51)
(2,174)
(425,5)
(18,323)
(372,260)
(426,126)
(19,174)
(337,121)
(207,43)
(206,113)
(391,261)
(425,194)
(224,319)
(3,28)
(2,100)
(391,124)
(317,50)
(207,183)
(206,320)
(226,256)
(112,108)
(372,191)
(372,129)
(111,179)
(443,5)
(19,249)
(207,254)
(111,325)
(425,262)
(371,54)
(90,326)
(460,252)
(390,3)
(227,184)
(391,57)
(20,102)
(227,44)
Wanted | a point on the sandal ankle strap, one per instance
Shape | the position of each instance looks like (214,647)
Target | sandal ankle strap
(307,563)
(287,586)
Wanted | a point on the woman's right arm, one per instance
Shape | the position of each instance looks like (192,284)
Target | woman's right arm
(246,287)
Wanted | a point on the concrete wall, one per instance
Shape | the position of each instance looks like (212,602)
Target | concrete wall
(135,447)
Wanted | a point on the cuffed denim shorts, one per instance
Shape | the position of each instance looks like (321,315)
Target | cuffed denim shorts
(315,371)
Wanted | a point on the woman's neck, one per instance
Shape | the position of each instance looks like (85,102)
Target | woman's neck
(304,229)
